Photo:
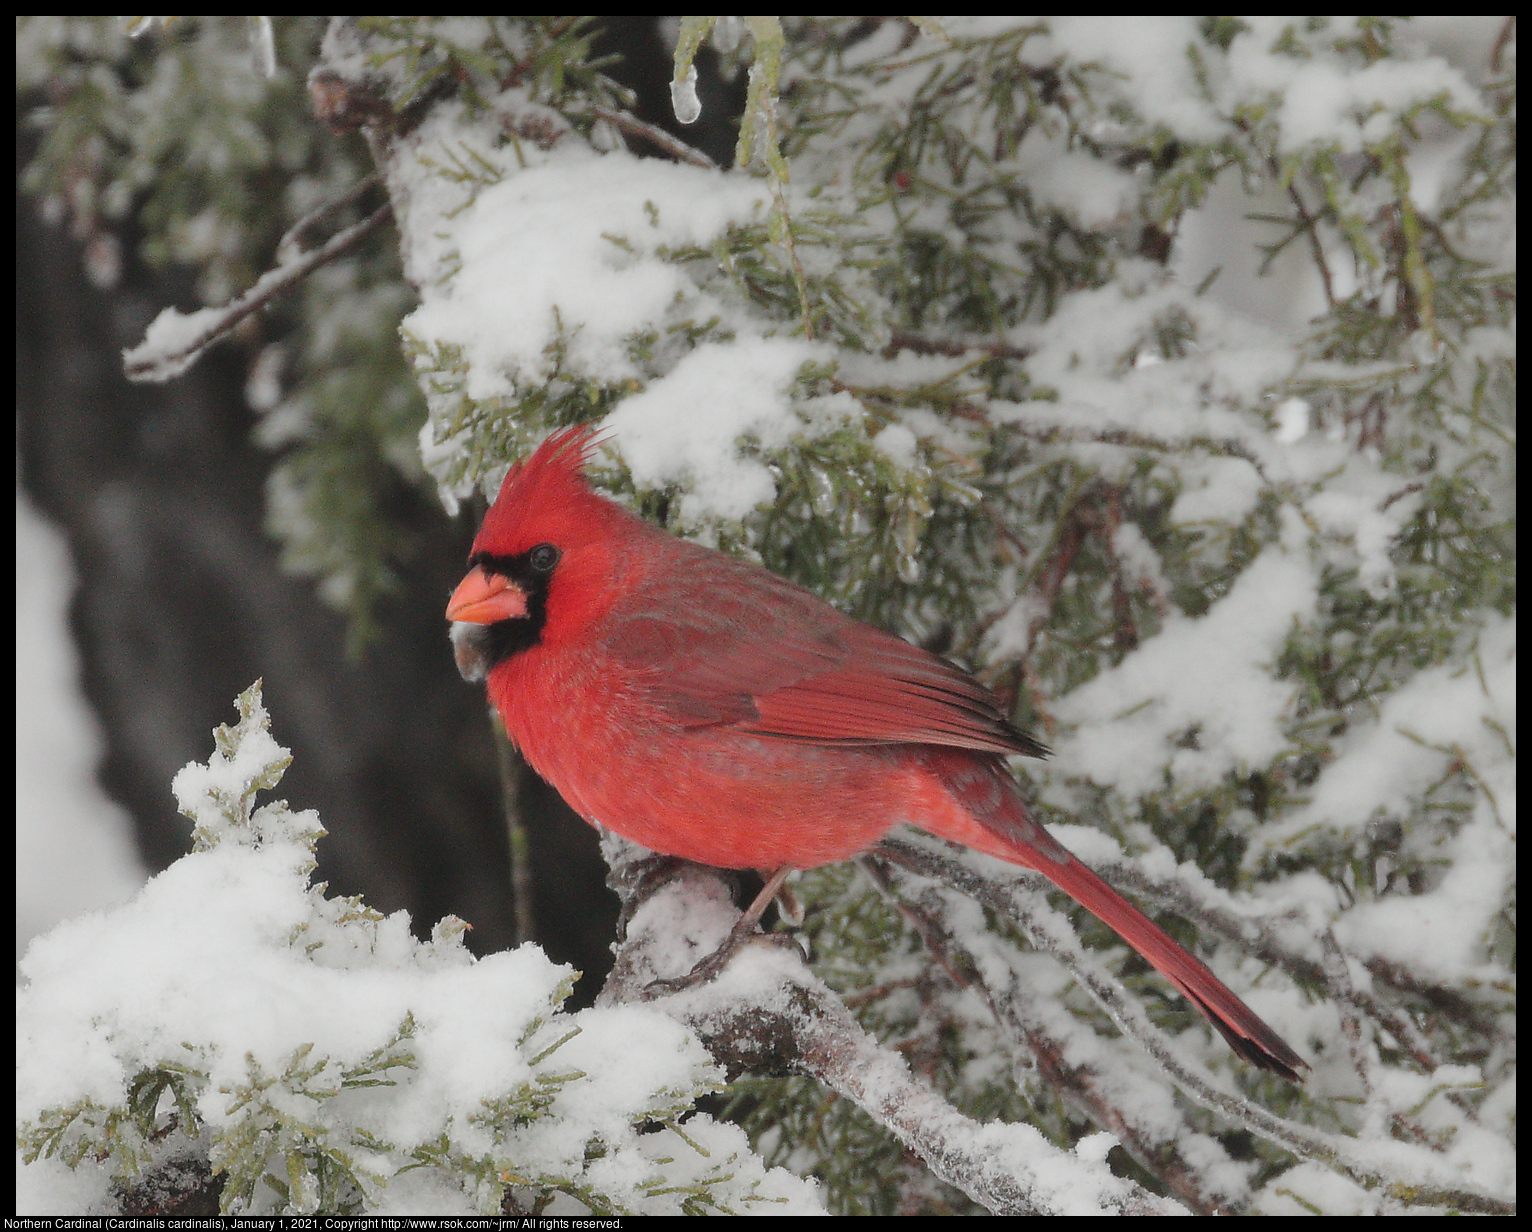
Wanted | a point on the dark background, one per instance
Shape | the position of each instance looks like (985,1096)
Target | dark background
(182,602)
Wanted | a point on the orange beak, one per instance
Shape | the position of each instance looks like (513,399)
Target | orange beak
(484,598)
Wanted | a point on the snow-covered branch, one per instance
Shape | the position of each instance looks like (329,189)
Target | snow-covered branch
(768,1013)
(1415,1174)
(175,340)
(309,1053)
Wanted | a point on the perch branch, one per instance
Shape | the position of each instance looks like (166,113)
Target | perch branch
(768,1013)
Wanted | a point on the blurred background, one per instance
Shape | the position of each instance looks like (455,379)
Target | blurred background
(150,592)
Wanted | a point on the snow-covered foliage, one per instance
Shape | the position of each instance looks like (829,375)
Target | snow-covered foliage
(943,352)
(326,1060)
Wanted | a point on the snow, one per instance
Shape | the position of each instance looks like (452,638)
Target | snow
(683,427)
(166,343)
(1083,354)
(1292,417)
(897,442)
(232,964)
(1216,490)
(1330,102)
(1209,673)
(571,238)
(1094,193)
(74,846)
(561,267)
(1440,716)
(1320,99)
(1149,51)
(1372,531)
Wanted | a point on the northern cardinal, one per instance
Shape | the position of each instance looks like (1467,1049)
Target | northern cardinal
(708,709)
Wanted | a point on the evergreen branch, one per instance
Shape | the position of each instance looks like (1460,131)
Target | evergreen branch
(1096,1096)
(1448,1001)
(1420,1183)
(1263,943)
(1226,447)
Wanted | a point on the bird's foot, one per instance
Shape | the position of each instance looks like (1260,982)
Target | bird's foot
(744,930)
(712,966)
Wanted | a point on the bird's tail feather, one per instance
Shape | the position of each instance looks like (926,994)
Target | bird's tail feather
(989,796)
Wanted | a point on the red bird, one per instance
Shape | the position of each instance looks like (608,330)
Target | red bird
(708,709)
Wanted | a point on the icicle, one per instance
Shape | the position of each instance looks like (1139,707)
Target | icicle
(727,35)
(263,49)
(907,547)
(683,97)
(822,492)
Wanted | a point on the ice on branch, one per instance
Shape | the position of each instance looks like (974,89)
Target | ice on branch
(683,97)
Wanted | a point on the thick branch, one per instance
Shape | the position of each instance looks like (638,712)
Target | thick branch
(768,1013)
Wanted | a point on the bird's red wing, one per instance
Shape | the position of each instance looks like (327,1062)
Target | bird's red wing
(758,654)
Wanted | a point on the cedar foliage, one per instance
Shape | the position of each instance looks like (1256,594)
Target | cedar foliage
(918,230)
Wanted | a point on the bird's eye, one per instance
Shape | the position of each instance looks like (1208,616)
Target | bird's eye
(543,557)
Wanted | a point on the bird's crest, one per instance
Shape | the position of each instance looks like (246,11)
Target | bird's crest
(545,493)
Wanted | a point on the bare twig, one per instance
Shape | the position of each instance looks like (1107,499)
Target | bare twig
(672,145)
(289,247)
(1339,981)
(512,775)
(176,340)
(1502,41)
(1311,229)
(1399,495)
(955,347)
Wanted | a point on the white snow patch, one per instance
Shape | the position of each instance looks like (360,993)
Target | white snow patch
(1210,673)
(684,428)
(572,241)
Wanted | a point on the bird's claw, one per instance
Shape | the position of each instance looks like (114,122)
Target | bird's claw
(711,967)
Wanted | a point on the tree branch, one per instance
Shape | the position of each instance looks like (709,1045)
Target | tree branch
(955,347)
(767,1013)
(656,136)
(1106,1101)
(175,340)
(1424,1180)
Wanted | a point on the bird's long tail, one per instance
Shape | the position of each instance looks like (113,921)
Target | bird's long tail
(989,797)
